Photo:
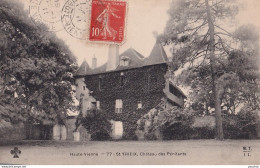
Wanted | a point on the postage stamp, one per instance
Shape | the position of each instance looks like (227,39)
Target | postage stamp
(108,21)
(75,17)
(129,82)
(47,12)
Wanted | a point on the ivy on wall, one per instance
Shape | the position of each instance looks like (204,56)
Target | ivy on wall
(143,85)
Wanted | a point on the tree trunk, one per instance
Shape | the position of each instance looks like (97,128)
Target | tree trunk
(219,128)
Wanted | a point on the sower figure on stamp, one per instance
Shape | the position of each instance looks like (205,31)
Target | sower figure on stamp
(104,17)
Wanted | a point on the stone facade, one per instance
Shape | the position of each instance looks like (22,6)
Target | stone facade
(127,87)
(141,85)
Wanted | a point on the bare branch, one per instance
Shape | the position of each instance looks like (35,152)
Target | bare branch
(195,28)
(195,21)
(222,44)
(230,34)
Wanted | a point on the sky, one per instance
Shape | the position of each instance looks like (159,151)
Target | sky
(144,17)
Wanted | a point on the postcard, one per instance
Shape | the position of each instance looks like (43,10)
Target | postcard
(129,82)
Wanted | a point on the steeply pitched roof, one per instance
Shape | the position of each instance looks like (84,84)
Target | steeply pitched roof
(157,56)
(135,59)
(132,52)
(83,69)
(100,69)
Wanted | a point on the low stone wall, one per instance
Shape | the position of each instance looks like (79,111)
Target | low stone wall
(84,135)
(10,131)
(258,126)
(70,128)
(20,131)
(59,132)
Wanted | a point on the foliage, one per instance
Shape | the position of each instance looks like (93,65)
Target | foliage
(36,70)
(246,124)
(97,124)
(179,123)
(203,133)
(242,125)
(250,127)
(219,62)
(188,30)
(161,123)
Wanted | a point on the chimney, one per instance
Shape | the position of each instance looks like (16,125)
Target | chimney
(113,57)
(94,62)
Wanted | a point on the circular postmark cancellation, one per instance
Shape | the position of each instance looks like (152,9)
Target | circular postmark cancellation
(75,17)
(47,12)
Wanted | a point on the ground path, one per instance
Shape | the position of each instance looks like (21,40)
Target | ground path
(133,152)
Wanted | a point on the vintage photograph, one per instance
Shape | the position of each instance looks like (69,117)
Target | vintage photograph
(129,82)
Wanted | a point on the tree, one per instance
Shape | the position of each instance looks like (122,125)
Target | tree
(36,70)
(237,83)
(203,43)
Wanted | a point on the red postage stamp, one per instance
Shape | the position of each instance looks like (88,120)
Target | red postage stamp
(108,20)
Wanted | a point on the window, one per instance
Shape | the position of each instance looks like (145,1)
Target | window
(84,87)
(122,79)
(139,105)
(119,106)
(99,83)
(98,105)
(152,82)
(175,91)
(148,82)
(124,61)
(15,95)
(93,105)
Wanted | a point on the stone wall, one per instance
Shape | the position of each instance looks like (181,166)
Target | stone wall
(59,132)
(84,135)
(10,131)
(258,126)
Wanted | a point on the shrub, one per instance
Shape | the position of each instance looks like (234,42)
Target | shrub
(150,136)
(203,133)
(243,125)
(167,124)
(97,125)
(203,127)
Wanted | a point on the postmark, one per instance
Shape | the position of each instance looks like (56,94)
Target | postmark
(47,12)
(108,21)
(75,17)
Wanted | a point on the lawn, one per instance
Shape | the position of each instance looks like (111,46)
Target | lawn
(133,152)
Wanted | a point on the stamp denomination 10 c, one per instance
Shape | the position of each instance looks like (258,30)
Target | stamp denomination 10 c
(108,19)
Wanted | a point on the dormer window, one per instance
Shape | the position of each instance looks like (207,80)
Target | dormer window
(124,61)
